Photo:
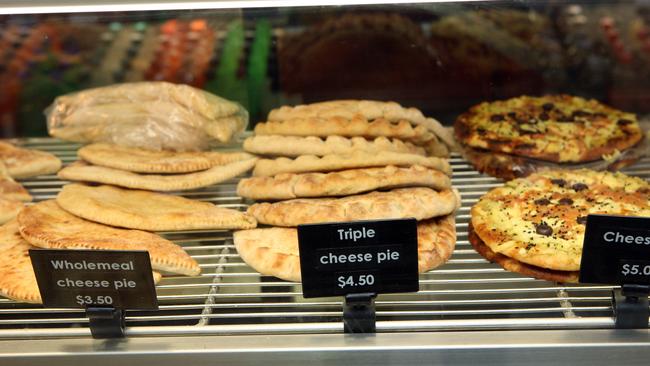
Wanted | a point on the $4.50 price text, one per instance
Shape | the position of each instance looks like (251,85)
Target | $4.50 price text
(356,280)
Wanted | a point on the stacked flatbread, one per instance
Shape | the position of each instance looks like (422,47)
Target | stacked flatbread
(138,168)
(128,200)
(20,163)
(47,225)
(110,217)
(327,177)
(346,126)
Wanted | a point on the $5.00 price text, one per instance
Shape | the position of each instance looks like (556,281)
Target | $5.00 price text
(635,270)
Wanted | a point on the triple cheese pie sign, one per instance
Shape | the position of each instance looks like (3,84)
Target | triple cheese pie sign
(359,257)
(616,250)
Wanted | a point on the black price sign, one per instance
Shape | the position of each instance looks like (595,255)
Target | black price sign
(356,257)
(93,278)
(616,250)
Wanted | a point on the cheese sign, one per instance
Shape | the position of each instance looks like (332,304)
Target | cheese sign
(616,250)
(95,278)
(358,257)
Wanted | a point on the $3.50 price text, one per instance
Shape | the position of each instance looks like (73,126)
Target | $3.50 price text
(84,300)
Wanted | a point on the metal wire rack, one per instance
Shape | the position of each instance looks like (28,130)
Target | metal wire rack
(467,293)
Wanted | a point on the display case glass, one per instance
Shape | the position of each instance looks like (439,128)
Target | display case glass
(437,60)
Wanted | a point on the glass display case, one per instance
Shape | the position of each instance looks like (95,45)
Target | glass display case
(440,57)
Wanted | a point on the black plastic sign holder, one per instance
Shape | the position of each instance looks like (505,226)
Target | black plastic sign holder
(359,260)
(106,322)
(630,304)
(359,314)
(611,243)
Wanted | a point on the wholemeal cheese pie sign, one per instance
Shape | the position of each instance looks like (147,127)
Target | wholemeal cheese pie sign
(616,250)
(358,257)
(95,278)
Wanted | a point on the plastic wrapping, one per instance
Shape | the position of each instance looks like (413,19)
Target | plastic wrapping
(507,167)
(149,115)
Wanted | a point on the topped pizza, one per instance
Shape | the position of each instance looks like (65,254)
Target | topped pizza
(557,128)
(540,220)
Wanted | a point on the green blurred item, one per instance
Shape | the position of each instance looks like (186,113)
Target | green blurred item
(257,70)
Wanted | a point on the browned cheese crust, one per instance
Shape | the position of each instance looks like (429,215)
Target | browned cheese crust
(516,266)
(557,128)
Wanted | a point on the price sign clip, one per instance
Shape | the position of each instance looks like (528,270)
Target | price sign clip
(359,313)
(616,251)
(630,304)
(106,322)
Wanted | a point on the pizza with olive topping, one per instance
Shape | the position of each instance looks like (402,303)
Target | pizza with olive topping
(536,225)
(557,128)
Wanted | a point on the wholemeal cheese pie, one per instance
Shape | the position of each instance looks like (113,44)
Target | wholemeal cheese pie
(536,225)
(557,128)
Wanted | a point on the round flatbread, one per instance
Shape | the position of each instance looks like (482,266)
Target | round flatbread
(341,183)
(294,146)
(82,171)
(9,208)
(558,128)
(540,220)
(9,188)
(357,126)
(349,109)
(144,210)
(148,161)
(274,251)
(368,109)
(17,279)
(47,225)
(419,203)
(357,159)
(25,163)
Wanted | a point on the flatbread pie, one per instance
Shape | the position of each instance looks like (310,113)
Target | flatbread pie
(25,163)
(146,210)
(9,208)
(358,159)
(82,171)
(274,251)
(149,161)
(557,128)
(9,188)
(368,109)
(340,183)
(540,220)
(294,146)
(349,109)
(419,203)
(17,279)
(357,126)
(47,225)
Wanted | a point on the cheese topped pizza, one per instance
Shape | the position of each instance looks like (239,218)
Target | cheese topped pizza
(540,220)
(557,128)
